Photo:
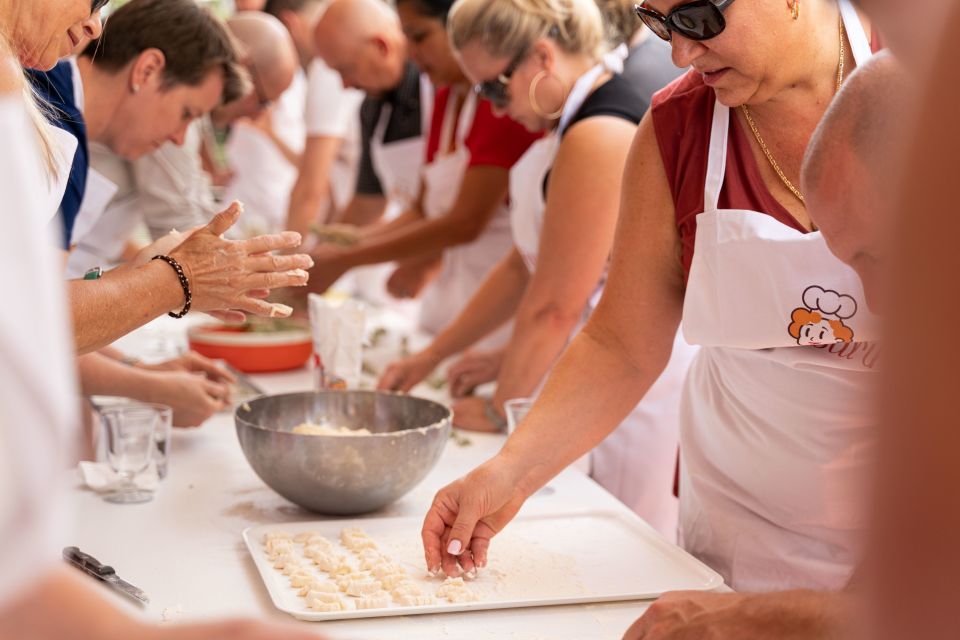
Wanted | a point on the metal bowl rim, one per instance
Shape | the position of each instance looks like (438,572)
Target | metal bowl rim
(439,425)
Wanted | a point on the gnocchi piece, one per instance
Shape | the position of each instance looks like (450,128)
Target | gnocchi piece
(278,546)
(316,585)
(377,600)
(276,535)
(301,579)
(406,589)
(346,579)
(416,601)
(386,569)
(291,567)
(328,561)
(363,587)
(456,590)
(392,580)
(342,569)
(282,560)
(306,535)
(318,541)
(323,596)
(328,607)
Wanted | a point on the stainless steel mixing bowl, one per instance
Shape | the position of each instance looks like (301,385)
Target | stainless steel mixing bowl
(343,474)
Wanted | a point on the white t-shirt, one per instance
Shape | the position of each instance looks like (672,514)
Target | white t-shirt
(330,108)
(263,177)
(38,416)
(167,189)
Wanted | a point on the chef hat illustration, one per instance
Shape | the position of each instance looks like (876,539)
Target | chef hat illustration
(829,303)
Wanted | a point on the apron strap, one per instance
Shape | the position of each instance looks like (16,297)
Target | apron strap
(467,114)
(716,156)
(381,129)
(859,41)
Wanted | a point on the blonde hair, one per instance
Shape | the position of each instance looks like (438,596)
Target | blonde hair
(506,28)
(35,108)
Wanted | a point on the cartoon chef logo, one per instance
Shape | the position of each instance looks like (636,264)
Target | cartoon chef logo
(822,318)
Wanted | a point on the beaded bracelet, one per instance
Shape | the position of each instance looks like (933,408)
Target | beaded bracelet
(183,283)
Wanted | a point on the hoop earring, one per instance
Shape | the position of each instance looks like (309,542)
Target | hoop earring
(796,9)
(537,79)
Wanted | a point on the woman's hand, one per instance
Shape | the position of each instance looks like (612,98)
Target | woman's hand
(193,362)
(473,369)
(471,414)
(192,396)
(466,514)
(223,273)
(407,373)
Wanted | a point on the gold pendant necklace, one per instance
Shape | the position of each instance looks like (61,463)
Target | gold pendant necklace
(756,133)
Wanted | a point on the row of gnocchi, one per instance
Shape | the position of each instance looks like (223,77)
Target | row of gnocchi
(364,579)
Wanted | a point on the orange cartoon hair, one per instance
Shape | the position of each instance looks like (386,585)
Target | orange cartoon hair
(802,317)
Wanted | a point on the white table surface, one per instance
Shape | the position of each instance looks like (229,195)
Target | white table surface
(185,550)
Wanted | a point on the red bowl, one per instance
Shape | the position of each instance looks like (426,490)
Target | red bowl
(251,351)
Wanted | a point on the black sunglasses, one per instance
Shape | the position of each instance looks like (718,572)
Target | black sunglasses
(496,90)
(699,20)
(96,5)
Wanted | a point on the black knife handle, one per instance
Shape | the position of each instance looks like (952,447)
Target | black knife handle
(87,562)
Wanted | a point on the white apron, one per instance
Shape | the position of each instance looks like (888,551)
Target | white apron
(636,463)
(776,428)
(465,267)
(96,237)
(398,165)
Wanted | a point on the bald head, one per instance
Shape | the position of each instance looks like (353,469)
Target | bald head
(849,173)
(268,51)
(363,41)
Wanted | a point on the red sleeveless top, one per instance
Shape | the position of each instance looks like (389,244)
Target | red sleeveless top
(682,115)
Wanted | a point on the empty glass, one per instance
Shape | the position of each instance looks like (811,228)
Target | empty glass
(517,409)
(130,431)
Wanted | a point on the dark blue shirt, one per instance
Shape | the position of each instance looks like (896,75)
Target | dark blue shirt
(55,87)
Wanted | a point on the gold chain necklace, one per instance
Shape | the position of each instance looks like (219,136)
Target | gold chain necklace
(763,145)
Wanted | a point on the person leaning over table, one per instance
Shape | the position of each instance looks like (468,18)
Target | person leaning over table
(541,62)
(168,188)
(149,96)
(327,124)
(194,387)
(914,557)
(41,598)
(461,211)
(846,177)
(362,41)
(774,418)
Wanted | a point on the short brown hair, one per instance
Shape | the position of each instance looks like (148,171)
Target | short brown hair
(193,40)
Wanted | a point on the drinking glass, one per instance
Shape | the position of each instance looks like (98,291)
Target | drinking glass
(130,433)
(517,409)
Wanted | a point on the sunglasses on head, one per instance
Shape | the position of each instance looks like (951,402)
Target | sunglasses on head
(496,91)
(699,20)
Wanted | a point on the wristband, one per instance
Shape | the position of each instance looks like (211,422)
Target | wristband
(184,283)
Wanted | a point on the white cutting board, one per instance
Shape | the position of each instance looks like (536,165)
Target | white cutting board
(596,556)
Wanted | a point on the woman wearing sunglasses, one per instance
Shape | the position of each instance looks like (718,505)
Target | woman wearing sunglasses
(773,433)
(541,62)
(461,212)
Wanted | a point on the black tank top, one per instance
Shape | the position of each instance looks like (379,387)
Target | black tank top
(617,98)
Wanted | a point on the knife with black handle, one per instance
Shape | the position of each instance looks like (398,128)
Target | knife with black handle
(105,573)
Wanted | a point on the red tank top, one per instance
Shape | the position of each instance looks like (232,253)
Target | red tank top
(682,115)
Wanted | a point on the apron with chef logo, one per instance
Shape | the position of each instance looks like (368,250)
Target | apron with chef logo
(637,461)
(466,266)
(775,423)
